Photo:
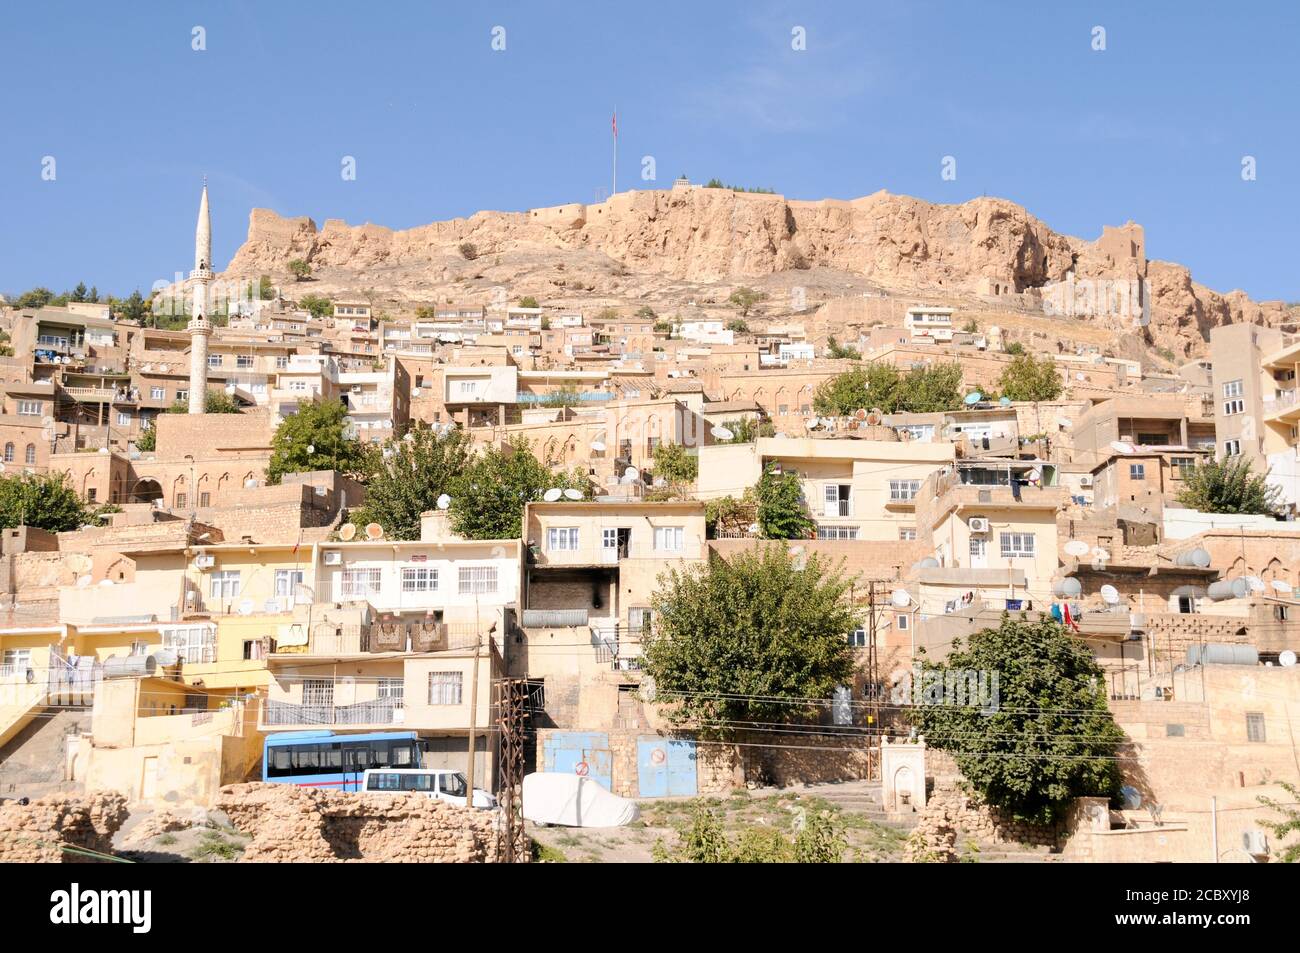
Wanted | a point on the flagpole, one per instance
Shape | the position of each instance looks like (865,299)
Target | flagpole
(615,192)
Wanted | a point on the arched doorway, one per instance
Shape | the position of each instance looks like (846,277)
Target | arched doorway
(146,491)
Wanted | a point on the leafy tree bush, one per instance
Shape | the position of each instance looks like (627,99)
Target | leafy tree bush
(922,390)
(841,352)
(468,250)
(750,639)
(747,430)
(488,501)
(675,464)
(316,305)
(34,298)
(781,510)
(1026,378)
(820,841)
(147,441)
(265,288)
(1229,486)
(1015,348)
(47,502)
(409,479)
(745,298)
(646,313)
(214,402)
(1050,737)
(299,269)
(738,326)
(314,439)
(528,301)
(727,512)
(1288,825)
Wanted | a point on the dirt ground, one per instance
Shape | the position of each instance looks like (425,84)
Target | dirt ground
(211,841)
(870,838)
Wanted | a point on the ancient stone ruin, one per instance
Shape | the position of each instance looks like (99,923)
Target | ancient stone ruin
(292,824)
(60,829)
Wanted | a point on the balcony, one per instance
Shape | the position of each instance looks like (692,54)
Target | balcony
(329,640)
(951,493)
(379,711)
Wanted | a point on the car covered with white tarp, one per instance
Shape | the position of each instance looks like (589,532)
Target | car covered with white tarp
(569,800)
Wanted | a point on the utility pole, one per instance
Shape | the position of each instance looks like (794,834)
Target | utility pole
(473,722)
(871,653)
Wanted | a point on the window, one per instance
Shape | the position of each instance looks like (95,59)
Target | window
(297,384)
(9,453)
(224,584)
(318,692)
(1281,613)
(29,408)
(1137,471)
(1017,544)
(285,579)
(244,360)
(205,499)
(1182,467)
(562,537)
(609,538)
(180,501)
(907,533)
(783,410)
(192,644)
(1255,727)
(182,395)
(466,387)
(157,393)
(419,579)
(901,622)
(837,532)
(1232,448)
(445,688)
(1174,731)
(670,538)
(391,690)
(16,662)
(1186,604)
(1231,407)
(1233,389)
(359,583)
(123,419)
(903,490)
(921,432)
(837,500)
(477,579)
(214,360)
(281,363)
(858,638)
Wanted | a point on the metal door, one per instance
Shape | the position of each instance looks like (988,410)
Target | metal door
(584,753)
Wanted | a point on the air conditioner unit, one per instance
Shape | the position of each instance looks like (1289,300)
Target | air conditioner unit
(204,562)
(1255,843)
(978,524)
(1085,480)
(333,558)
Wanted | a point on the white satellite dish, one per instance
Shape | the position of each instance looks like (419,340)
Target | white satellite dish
(348,532)
(47,421)
(106,582)
(415,391)
(1255,583)
(1110,595)
(812,423)
(444,501)
(572,494)
(631,473)
(1240,588)
(900,598)
(1286,659)
(246,607)
(597,446)
(1063,423)
(1069,587)
(1281,585)
(722,433)
(553,494)
(1076,547)
(1121,446)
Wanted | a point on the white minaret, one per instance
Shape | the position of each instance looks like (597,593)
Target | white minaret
(199,327)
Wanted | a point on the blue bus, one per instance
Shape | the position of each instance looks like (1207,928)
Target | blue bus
(326,759)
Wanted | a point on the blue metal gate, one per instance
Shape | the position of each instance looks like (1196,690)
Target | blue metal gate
(665,768)
(584,753)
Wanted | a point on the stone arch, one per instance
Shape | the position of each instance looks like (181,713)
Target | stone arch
(145,490)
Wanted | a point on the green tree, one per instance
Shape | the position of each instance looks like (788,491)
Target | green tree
(841,352)
(47,502)
(820,840)
(757,638)
(410,475)
(94,294)
(745,298)
(317,306)
(675,464)
(312,439)
(1015,348)
(1288,825)
(79,292)
(566,396)
(299,269)
(136,308)
(738,326)
(781,510)
(1229,486)
(863,388)
(488,501)
(214,402)
(646,313)
(468,250)
(147,441)
(35,298)
(747,430)
(971,327)
(1026,378)
(933,389)
(265,288)
(1043,738)
(528,301)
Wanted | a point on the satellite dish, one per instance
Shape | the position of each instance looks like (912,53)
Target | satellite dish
(572,494)
(1076,547)
(631,473)
(1286,659)
(103,449)
(900,598)
(1004,401)
(348,532)
(1131,797)
(415,391)
(246,607)
(929,562)
(1063,423)
(1101,554)
(1281,585)
(553,494)
(1255,583)
(860,414)
(1200,558)
(812,423)
(106,582)
(374,531)
(47,421)
(598,446)
(1110,595)
(1120,446)
(1069,587)
(722,433)
(1080,376)
(83,581)
(974,397)
(444,501)
(1240,588)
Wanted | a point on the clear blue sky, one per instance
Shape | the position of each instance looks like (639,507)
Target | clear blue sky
(1154,128)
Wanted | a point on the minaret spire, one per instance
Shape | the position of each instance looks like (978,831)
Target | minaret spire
(199,327)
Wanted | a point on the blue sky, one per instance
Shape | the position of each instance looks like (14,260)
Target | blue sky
(1153,128)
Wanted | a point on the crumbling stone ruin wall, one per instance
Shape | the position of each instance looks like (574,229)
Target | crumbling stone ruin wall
(38,832)
(289,824)
(953,813)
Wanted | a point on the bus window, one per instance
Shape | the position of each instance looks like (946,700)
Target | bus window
(356,757)
(280,762)
(306,759)
(331,757)
(403,755)
(384,782)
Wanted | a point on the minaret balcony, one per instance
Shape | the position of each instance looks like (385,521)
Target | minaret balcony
(202,274)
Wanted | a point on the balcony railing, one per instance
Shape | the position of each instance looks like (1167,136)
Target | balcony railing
(380,711)
(554,618)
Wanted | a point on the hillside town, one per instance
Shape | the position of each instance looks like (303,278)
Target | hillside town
(272,542)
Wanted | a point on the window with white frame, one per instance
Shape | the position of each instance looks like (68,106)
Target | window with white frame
(318,692)
(837,497)
(670,538)
(902,490)
(837,532)
(16,662)
(907,533)
(466,387)
(193,644)
(445,688)
(1231,407)
(182,395)
(123,419)
(359,583)
(214,360)
(1137,471)
(1233,389)
(919,432)
(901,622)
(562,538)
(30,457)
(1232,448)
(286,580)
(391,690)
(29,408)
(224,584)
(1017,544)
(243,360)
(609,538)
(157,393)
(477,579)
(419,579)
(858,638)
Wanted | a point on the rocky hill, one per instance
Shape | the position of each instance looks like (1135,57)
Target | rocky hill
(690,245)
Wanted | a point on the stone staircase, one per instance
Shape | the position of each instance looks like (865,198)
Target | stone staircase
(863,798)
(32,763)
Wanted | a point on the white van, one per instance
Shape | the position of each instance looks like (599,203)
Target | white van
(441,783)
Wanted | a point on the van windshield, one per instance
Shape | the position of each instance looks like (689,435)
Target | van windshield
(454,784)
